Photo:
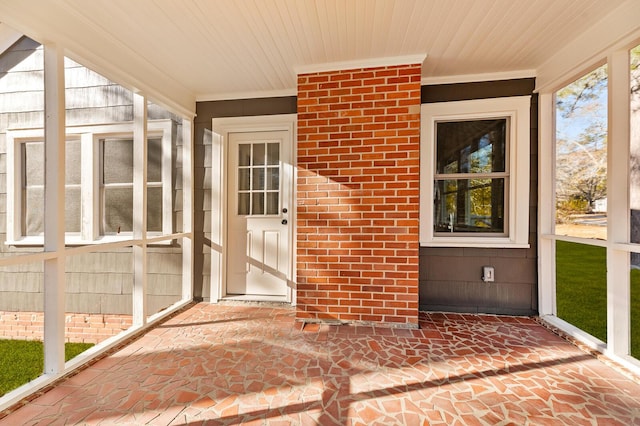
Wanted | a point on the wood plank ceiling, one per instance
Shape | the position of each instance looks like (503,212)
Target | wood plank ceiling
(216,49)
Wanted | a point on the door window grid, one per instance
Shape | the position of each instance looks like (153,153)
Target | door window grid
(258,177)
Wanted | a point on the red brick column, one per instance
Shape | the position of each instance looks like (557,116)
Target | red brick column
(358,196)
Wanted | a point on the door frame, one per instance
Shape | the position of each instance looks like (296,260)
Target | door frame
(221,128)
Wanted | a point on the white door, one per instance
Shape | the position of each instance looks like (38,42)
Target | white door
(259,191)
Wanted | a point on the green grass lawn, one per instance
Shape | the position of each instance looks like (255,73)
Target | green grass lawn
(23,360)
(581,293)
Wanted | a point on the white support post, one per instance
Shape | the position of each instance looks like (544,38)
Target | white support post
(139,210)
(54,227)
(618,221)
(187,209)
(546,206)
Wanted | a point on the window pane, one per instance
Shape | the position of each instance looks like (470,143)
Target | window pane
(273,153)
(117,161)
(581,157)
(469,205)
(477,146)
(72,209)
(33,161)
(33,187)
(33,211)
(273,178)
(118,210)
(243,204)
(272,203)
(257,206)
(244,154)
(258,154)
(154,209)
(73,169)
(258,179)
(581,287)
(244,179)
(154,160)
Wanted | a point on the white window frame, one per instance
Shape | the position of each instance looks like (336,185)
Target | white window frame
(90,137)
(516,110)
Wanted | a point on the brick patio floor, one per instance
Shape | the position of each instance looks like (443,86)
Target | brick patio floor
(242,364)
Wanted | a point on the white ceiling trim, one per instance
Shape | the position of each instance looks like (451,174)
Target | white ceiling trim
(468,78)
(362,63)
(620,29)
(246,95)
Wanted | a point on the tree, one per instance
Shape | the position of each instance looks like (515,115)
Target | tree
(581,142)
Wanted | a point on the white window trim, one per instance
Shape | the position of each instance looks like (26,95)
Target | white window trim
(89,136)
(517,110)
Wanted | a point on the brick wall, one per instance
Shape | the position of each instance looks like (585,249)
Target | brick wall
(358,195)
(79,328)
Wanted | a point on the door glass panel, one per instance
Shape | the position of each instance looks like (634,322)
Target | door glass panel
(244,154)
(273,153)
(244,180)
(258,178)
(243,204)
(258,203)
(272,202)
(258,154)
(273,178)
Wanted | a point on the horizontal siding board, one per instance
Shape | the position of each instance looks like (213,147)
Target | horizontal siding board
(21,301)
(115,304)
(164,284)
(98,97)
(28,282)
(164,263)
(22,81)
(13,102)
(79,76)
(78,302)
(108,283)
(22,120)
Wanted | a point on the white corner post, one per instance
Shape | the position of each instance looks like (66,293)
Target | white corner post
(54,227)
(546,205)
(187,209)
(139,210)
(218,207)
(618,220)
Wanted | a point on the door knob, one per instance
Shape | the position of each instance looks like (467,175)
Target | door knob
(284,221)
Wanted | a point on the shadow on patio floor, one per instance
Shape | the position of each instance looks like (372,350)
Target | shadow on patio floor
(240,364)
